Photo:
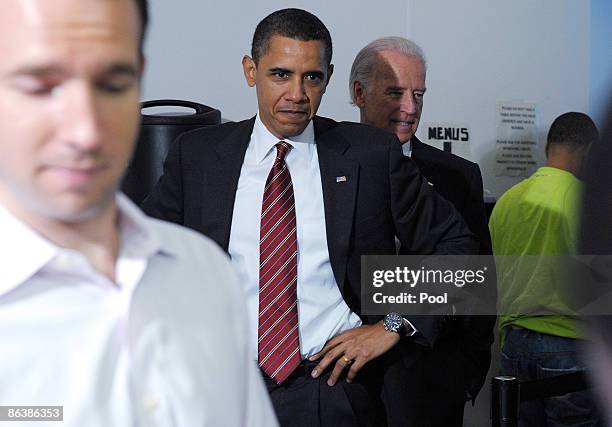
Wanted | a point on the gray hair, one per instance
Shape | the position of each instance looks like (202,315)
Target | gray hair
(363,67)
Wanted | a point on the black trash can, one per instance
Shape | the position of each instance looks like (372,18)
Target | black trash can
(157,132)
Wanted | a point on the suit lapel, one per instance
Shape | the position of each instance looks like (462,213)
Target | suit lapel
(230,156)
(427,168)
(339,178)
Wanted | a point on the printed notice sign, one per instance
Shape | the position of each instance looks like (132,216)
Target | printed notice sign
(450,137)
(517,139)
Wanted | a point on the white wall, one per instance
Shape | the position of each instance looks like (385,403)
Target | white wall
(195,48)
(478,51)
(483,51)
(600,93)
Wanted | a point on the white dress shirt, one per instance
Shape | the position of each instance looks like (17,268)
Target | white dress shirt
(166,345)
(407,148)
(322,312)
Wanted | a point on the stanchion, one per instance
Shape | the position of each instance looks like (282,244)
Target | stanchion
(504,401)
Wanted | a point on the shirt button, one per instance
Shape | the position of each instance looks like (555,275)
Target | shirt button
(150,403)
(64,261)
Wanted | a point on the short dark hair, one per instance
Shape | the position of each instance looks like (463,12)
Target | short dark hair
(292,23)
(143,11)
(573,130)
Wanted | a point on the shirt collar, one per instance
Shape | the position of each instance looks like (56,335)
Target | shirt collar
(264,141)
(138,238)
(549,170)
(407,148)
(22,250)
(26,252)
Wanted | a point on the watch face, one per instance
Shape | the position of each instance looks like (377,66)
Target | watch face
(392,322)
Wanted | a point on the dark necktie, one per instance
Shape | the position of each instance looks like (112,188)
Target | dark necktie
(278,340)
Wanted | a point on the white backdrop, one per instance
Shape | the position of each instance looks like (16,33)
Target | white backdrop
(478,52)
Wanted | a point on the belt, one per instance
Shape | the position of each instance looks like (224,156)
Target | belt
(304,369)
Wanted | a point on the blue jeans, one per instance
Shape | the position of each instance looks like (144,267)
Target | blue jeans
(530,355)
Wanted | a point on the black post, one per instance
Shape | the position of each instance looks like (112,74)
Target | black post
(504,401)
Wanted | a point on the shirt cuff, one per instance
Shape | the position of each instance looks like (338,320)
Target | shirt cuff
(409,328)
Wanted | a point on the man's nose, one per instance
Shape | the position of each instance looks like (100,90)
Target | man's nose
(295,91)
(408,103)
(80,121)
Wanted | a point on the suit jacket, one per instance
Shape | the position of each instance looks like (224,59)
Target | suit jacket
(465,346)
(383,196)
(459,181)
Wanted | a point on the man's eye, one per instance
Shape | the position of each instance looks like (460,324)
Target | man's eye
(35,88)
(395,94)
(419,95)
(113,87)
(280,74)
(313,77)
(42,90)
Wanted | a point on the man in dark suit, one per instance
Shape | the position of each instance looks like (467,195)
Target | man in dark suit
(296,200)
(387,83)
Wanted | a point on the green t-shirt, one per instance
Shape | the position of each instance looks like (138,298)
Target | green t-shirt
(538,216)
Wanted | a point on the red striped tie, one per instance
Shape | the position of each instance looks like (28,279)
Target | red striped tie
(278,341)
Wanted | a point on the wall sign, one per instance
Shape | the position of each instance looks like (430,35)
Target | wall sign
(517,139)
(453,138)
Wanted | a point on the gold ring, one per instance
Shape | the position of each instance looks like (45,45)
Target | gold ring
(347,360)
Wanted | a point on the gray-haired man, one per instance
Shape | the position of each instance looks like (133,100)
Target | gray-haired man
(387,83)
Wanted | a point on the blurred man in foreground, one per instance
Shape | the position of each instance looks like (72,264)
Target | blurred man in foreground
(103,311)
(596,239)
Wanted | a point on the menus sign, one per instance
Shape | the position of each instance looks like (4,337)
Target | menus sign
(454,138)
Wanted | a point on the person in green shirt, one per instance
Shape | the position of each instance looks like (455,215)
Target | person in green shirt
(532,226)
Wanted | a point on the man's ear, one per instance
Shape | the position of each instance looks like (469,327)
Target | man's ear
(358,94)
(250,70)
(330,71)
(141,66)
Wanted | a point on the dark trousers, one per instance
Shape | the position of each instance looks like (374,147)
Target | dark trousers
(405,397)
(303,401)
(530,355)
(388,392)
(446,387)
